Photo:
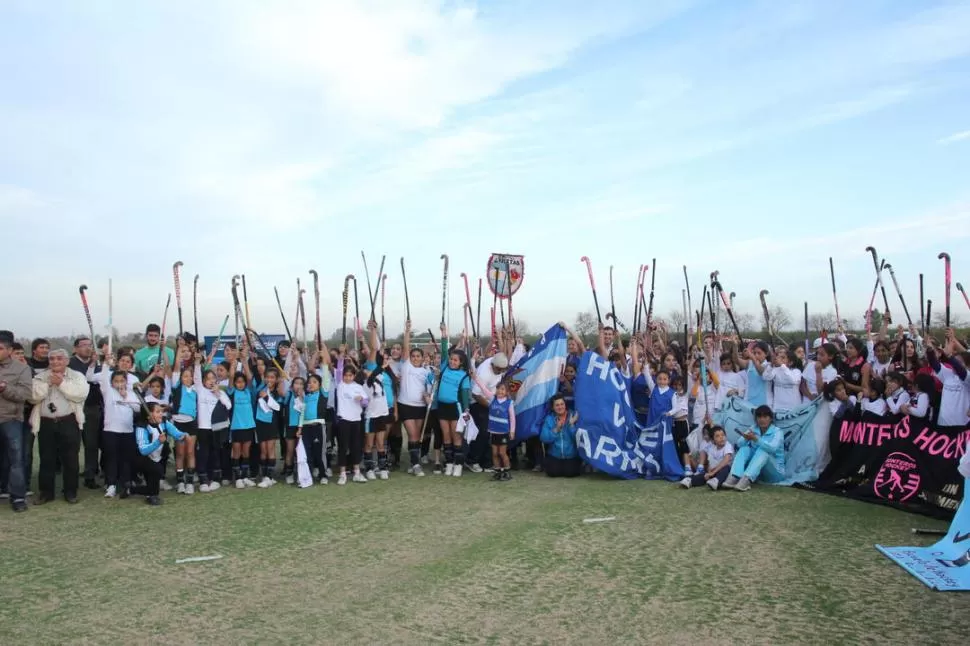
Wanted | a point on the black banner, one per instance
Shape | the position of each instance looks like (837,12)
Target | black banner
(901,461)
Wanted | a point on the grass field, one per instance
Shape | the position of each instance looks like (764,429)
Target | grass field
(469,561)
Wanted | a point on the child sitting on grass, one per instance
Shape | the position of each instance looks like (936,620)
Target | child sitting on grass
(715,462)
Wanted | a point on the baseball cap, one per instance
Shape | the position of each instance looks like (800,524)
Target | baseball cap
(500,361)
(817,344)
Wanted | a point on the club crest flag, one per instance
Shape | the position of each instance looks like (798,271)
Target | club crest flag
(505,273)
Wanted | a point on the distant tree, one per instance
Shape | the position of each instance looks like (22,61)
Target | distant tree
(819,322)
(781,318)
(586,324)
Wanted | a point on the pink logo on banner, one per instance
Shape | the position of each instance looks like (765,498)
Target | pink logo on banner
(898,479)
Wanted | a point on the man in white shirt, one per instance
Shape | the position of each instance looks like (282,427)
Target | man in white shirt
(489,373)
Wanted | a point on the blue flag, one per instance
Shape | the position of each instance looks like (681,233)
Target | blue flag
(535,379)
(798,427)
(946,564)
(609,437)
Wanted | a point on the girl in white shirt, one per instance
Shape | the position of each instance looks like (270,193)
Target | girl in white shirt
(785,382)
(819,372)
(732,383)
(681,428)
(413,397)
(896,395)
(211,433)
(118,439)
(351,399)
(920,406)
(873,402)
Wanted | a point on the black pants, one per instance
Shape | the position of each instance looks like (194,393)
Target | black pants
(152,471)
(533,452)
(480,451)
(28,446)
(722,475)
(119,453)
(208,454)
(58,439)
(559,468)
(91,436)
(350,442)
(315,444)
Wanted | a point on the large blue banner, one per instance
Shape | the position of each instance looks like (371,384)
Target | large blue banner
(801,454)
(535,379)
(608,435)
(946,564)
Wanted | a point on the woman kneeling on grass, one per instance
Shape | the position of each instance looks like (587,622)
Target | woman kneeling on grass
(559,436)
(714,466)
(760,454)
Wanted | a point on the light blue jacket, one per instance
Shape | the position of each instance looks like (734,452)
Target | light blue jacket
(562,445)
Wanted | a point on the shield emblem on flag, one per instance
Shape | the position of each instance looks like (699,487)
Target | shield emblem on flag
(505,273)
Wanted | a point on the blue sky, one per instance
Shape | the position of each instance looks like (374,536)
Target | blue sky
(757,138)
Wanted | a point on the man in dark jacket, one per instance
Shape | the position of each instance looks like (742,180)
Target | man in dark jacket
(15,389)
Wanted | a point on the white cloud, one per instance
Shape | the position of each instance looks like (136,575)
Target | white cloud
(955,137)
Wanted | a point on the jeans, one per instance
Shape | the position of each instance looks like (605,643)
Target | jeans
(58,439)
(11,436)
(754,464)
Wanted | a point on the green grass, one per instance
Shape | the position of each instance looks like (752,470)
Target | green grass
(469,561)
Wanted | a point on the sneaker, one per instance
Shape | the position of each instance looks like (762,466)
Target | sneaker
(449,469)
(743,485)
(189,489)
(730,483)
(248,482)
(324,480)
(474,468)
(290,480)
(418,471)
(265,483)
(689,473)
(111,492)
(90,483)
(240,484)
(383,474)
(713,483)
(425,459)
(359,477)
(506,476)
(437,468)
(125,493)
(180,488)
(164,485)
(204,488)
(342,480)
(537,468)
(4,495)
(489,470)
(457,471)
(214,486)
(19,505)
(329,472)
(685,483)
(496,476)
(154,501)
(371,475)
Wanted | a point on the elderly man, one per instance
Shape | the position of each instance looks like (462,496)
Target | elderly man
(58,394)
(14,391)
(489,373)
(82,361)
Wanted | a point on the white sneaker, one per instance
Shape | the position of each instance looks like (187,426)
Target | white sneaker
(359,477)
(475,468)
(744,484)
(225,483)
(111,492)
(329,472)
(411,469)
(449,469)
(456,471)
(418,471)
(265,483)
(240,484)
(371,475)
(685,483)
(342,480)
(214,486)
(290,480)
(713,483)
(248,482)
(324,481)
(189,489)
(180,488)
(204,488)
(424,459)
(383,474)
(730,483)
(164,485)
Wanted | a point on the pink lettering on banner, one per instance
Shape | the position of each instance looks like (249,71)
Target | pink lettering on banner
(938,445)
(925,437)
(884,433)
(845,433)
(902,428)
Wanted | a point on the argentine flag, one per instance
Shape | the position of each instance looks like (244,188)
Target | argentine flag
(534,379)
